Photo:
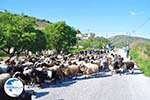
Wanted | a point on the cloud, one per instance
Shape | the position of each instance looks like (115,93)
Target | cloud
(134,13)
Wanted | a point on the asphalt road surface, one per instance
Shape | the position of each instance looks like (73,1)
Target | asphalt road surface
(103,87)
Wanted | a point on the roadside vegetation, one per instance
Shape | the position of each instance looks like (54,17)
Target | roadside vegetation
(94,42)
(141,55)
(20,34)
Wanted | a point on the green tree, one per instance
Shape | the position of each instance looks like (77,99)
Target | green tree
(18,32)
(94,42)
(60,36)
(40,42)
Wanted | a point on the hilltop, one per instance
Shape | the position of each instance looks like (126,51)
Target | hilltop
(123,40)
(41,23)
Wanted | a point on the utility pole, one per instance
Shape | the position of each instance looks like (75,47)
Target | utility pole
(127,33)
(88,33)
(134,35)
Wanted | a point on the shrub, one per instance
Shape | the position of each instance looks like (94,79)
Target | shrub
(143,62)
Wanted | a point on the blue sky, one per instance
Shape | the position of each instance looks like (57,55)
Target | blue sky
(104,17)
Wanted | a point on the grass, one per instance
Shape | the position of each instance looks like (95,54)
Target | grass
(140,55)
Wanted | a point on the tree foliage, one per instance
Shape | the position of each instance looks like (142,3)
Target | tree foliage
(97,42)
(60,36)
(40,42)
(18,32)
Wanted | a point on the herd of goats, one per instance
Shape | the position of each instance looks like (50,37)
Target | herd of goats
(57,68)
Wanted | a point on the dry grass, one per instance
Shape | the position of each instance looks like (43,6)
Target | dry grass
(143,55)
(4,58)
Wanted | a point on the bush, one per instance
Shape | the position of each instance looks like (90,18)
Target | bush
(143,62)
(147,50)
(96,43)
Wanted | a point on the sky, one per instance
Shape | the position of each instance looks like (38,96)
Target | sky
(102,17)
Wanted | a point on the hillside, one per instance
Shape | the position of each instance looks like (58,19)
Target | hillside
(41,23)
(123,40)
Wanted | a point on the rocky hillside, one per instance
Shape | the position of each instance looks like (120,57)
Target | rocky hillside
(41,23)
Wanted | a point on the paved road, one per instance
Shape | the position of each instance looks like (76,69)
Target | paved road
(104,87)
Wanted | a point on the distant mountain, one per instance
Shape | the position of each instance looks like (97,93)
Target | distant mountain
(123,40)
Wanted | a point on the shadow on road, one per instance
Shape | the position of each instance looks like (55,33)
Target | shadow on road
(136,69)
(37,94)
(94,76)
(63,84)
(70,81)
(103,76)
(40,94)
(136,72)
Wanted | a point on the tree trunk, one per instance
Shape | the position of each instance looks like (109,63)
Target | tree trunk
(6,51)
